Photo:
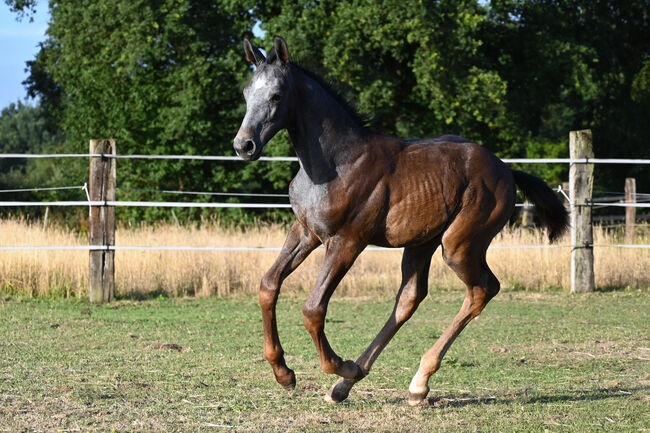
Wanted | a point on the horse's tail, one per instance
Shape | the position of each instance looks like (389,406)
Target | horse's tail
(548,207)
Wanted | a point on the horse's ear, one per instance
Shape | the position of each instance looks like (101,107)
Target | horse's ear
(281,49)
(253,54)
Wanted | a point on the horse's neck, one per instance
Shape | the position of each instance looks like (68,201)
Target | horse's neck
(324,135)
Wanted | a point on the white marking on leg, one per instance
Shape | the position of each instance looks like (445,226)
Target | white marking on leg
(419,384)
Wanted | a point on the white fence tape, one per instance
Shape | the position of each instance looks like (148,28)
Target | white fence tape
(216,248)
(219,205)
(54,188)
(295,159)
(220,194)
(145,204)
(622,204)
(175,157)
(257,205)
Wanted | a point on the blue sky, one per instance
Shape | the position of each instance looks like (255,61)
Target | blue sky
(18,43)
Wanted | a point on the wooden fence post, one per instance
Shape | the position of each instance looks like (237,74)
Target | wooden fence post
(581,185)
(630,211)
(101,187)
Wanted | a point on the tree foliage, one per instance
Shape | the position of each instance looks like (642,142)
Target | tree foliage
(575,64)
(515,76)
(161,77)
(22,8)
(414,65)
(25,129)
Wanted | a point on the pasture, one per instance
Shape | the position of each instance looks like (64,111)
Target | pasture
(532,362)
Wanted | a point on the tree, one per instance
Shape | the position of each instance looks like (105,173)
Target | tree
(25,129)
(161,77)
(414,65)
(575,64)
(515,76)
(22,7)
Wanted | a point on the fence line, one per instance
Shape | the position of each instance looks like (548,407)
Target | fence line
(622,204)
(216,248)
(227,194)
(174,157)
(82,187)
(295,159)
(109,202)
(182,204)
(212,248)
(146,204)
(54,188)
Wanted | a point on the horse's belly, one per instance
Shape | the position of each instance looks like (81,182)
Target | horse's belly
(421,203)
(414,222)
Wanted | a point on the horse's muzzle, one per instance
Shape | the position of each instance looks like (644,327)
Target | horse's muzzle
(246,148)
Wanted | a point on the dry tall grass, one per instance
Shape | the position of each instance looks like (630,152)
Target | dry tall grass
(139,273)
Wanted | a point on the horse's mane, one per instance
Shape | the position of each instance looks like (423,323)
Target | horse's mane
(361,119)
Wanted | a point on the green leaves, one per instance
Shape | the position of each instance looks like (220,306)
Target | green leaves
(162,78)
(414,65)
(514,76)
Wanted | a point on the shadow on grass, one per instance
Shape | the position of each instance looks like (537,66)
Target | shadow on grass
(611,288)
(527,397)
(142,296)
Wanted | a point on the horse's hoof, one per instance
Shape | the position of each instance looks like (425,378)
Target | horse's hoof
(289,382)
(340,391)
(327,398)
(416,398)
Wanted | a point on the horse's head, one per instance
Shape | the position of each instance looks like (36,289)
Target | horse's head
(267,96)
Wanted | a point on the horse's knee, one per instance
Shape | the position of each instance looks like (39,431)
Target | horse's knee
(273,354)
(313,317)
(268,292)
(476,306)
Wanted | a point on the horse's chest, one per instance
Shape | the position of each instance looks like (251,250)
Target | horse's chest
(323,209)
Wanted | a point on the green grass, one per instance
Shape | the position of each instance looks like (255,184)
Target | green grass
(530,363)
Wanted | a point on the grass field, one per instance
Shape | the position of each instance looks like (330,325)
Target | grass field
(532,362)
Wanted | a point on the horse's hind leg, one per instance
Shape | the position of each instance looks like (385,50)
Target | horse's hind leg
(467,259)
(415,272)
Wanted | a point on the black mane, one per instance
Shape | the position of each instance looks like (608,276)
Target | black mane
(360,119)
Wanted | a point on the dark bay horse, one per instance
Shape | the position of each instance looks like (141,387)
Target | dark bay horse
(356,187)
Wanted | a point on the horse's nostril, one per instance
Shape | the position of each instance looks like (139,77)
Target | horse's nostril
(249,146)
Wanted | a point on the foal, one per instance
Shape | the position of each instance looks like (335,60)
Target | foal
(356,187)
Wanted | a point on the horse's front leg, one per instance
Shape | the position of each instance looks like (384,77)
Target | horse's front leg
(341,254)
(299,243)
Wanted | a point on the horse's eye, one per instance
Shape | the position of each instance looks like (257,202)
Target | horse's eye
(276,97)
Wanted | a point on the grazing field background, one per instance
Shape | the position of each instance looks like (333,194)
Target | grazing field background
(532,362)
(184,273)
